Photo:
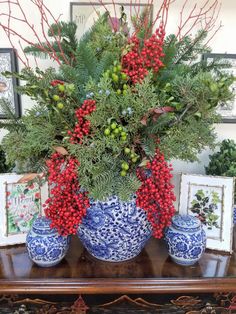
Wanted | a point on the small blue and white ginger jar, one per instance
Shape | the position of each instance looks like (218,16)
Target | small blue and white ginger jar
(186,239)
(45,246)
(113,230)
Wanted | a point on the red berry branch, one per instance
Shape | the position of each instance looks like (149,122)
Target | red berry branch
(136,62)
(156,195)
(82,127)
(67,205)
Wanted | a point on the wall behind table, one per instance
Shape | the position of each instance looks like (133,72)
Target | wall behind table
(223,42)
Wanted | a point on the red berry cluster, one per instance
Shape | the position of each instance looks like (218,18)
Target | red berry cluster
(67,205)
(56,82)
(156,195)
(82,127)
(136,62)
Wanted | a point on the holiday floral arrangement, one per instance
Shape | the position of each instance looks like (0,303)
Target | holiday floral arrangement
(124,100)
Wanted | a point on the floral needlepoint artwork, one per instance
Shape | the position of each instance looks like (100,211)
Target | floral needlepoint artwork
(23,205)
(20,204)
(210,199)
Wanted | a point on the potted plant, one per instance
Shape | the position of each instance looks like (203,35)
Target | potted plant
(107,121)
(4,168)
(223,163)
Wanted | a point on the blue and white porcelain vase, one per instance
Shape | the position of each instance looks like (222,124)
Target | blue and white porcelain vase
(45,246)
(234,214)
(186,240)
(113,230)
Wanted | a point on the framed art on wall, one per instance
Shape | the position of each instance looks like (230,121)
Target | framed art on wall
(226,110)
(20,204)
(8,62)
(211,200)
(85,13)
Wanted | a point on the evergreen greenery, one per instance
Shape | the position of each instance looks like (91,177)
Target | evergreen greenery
(223,162)
(176,106)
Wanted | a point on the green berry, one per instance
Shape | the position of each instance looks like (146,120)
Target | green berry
(132,155)
(114,69)
(127,150)
(60,105)
(107,132)
(70,87)
(125,86)
(124,76)
(118,92)
(123,173)
(115,78)
(113,125)
(119,67)
(56,97)
(124,92)
(61,87)
(123,134)
(134,160)
(125,166)
(120,128)
(112,135)
(116,131)
(124,138)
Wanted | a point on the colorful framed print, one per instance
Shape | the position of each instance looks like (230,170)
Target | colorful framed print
(226,110)
(211,200)
(20,204)
(84,14)
(8,62)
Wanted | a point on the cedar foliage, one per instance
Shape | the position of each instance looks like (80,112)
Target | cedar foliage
(187,85)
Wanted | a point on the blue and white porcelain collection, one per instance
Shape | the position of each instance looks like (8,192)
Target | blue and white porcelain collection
(116,231)
(45,246)
(186,240)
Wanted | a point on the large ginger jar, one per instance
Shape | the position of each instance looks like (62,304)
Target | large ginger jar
(114,230)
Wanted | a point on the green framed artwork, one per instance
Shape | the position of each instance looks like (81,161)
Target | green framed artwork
(20,204)
(210,199)
(226,110)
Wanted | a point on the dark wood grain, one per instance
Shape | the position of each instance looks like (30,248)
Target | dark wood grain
(150,272)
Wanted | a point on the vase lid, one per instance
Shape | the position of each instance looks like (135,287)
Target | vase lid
(186,222)
(42,223)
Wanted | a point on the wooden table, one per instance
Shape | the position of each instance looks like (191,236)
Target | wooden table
(151,273)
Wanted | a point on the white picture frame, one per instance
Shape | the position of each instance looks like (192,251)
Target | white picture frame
(210,198)
(20,204)
(226,110)
(84,14)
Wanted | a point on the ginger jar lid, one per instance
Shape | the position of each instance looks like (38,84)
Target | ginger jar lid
(42,225)
(186,223)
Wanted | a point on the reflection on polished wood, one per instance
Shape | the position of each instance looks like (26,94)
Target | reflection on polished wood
(150,272)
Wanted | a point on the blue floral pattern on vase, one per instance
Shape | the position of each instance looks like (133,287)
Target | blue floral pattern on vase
(186,240)
(45,246)
(114,230)
(234,214)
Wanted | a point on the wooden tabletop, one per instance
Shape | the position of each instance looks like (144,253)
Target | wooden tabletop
(150,272)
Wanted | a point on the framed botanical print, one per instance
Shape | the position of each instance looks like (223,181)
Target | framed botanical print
(20,204)
(210,199)
(8,62)
(227,110)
